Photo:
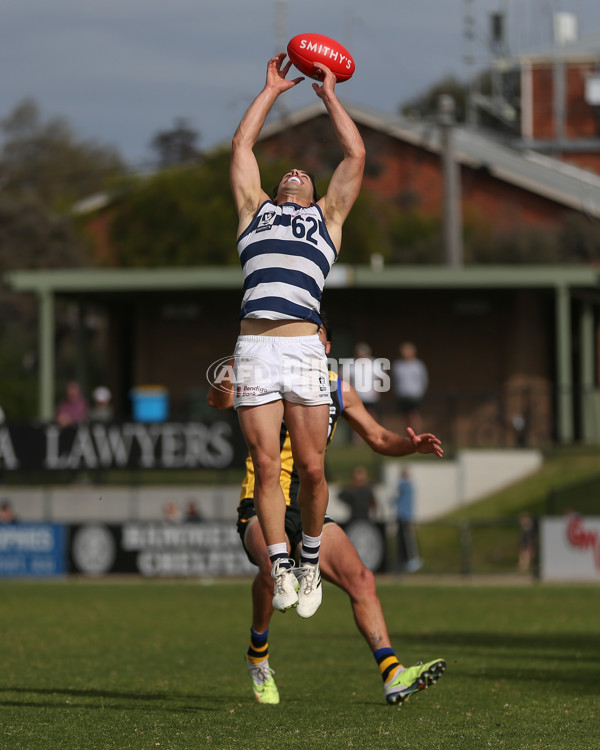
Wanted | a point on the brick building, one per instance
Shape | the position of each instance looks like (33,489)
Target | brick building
(560,100)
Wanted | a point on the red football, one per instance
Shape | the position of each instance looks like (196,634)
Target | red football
(305,49)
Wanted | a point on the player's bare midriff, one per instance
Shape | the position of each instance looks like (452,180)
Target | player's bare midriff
(263,327)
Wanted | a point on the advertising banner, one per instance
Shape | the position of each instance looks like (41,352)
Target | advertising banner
(32,550)
(570,548)
(149,549)
(158,549)
(370,542)
(123,445)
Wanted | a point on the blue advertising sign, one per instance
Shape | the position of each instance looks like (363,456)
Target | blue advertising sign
(35,550)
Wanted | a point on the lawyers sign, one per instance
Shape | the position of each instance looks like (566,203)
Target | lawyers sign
(90,446)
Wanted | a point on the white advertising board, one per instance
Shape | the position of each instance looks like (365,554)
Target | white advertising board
(570,548)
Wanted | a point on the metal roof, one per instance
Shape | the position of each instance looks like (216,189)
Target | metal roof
(102,281)
(95,280)
(550,178)
(586,49)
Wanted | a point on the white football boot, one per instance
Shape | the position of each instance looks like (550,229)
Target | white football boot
(285,587)
(310,593)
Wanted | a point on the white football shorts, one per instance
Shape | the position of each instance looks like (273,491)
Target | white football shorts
(270,368)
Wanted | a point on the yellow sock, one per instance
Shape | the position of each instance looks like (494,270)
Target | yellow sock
(258,650)
(387,662)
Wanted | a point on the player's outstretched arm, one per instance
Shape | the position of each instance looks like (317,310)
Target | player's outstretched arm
(244,172)
(380,439)
(346,180)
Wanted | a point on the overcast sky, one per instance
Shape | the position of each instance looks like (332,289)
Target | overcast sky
(119,71)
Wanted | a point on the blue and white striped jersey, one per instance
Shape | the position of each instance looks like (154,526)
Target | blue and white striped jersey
(286,253)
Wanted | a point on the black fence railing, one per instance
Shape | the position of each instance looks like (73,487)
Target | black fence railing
(515,417)
(474,547)
(582,497)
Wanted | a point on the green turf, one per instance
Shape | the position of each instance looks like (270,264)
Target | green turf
(160,665)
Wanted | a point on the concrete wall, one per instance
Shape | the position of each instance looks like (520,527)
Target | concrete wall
(83,502)
(441,486)
(444,486)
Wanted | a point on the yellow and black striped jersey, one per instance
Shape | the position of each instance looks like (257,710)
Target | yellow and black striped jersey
(289,476)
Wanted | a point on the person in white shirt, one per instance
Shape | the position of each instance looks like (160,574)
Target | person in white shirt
(410,380)
(365,378)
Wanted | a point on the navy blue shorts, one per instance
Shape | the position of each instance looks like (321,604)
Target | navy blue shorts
(293,523)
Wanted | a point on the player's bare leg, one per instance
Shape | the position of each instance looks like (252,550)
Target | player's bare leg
(257,657)
(262,585)
(261,427)
(308,426)
(341,565)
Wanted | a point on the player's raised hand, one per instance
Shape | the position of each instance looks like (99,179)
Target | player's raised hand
(329,80)
(277,72)
(426,443)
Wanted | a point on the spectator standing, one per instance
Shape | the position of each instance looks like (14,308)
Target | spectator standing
(192,514)
(172,512)
(527,542)
(408,552)
(358,495)
(364,378)
(101,410)
(7,514)
(410,379)
(73,408)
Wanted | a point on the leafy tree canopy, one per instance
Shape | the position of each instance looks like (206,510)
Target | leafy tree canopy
(485,91)
(186,217)
(43,159)
(176,146)
(177,217)
(426,103)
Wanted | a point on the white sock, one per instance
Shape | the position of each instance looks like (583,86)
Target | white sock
(310,549)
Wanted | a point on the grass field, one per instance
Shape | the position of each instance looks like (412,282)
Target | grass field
(161,665)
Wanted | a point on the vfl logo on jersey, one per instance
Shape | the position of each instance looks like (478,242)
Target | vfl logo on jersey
(266,221)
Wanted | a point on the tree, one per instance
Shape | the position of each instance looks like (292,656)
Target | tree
(44,169)
(186,217)
(43,159)
(426,103)
(177,146)
(30,237)
(494,111)
(178,217)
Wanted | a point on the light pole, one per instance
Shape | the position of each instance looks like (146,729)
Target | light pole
(452,191)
